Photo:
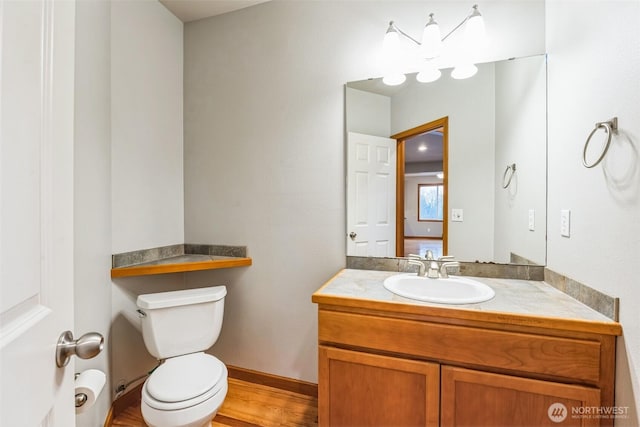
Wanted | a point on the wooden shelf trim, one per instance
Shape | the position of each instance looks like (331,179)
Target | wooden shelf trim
(212,263)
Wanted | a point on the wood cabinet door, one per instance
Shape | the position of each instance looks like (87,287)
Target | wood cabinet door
(477,399)
(360,389)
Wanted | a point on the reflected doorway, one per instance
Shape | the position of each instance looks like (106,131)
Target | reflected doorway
(421,189)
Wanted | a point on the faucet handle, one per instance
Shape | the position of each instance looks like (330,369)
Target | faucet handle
(420,264)
(446,258)
(414,256)
(445,265)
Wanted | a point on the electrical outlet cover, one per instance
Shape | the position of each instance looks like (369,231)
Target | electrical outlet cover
(532,220)
(457,215)
(565,222)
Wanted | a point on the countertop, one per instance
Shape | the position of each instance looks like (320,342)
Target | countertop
(178,258)
(519,302)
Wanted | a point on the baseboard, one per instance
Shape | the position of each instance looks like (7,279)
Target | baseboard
(275,381)
(131,398)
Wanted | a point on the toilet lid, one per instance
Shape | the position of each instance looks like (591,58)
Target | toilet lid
(184,377)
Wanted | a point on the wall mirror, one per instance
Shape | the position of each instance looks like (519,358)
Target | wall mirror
(454,166)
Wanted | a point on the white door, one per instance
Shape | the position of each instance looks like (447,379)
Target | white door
(371,195)
(36,210)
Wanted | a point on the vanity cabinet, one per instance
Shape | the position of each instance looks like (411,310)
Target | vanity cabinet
(389,365)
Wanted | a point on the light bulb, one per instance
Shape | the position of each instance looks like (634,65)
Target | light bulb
(394,79)
(428,74)
(464,71)
(391,41)
(474,32)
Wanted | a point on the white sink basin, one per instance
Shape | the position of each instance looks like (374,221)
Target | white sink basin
(453,290)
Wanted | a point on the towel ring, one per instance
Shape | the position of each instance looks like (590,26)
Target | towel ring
(610,127)
(512,168)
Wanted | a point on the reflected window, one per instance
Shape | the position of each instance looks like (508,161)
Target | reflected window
(430,201)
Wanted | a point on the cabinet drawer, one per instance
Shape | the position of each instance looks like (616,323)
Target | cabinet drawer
(564,358)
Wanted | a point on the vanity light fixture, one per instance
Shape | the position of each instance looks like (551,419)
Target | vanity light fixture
(430,47)
(422,148)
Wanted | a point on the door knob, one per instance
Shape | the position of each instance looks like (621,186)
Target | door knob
(87,346)
(353,235)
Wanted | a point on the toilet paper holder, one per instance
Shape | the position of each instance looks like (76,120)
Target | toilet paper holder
(81,399)
(88,386)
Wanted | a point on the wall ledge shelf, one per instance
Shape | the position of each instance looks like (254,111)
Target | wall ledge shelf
(178,259)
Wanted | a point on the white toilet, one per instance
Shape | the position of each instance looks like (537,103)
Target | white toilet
(189,387)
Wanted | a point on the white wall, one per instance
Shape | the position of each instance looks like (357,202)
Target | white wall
(128,172)
(147,131)
(521,136)
(147,162)
(593,75)
(92,193)
(367,113)
(264,152)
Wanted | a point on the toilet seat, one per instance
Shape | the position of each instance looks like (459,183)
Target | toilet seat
(184,381)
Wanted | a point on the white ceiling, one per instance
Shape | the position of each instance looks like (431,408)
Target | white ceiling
(191,10)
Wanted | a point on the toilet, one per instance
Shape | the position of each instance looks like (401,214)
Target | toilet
(189,386)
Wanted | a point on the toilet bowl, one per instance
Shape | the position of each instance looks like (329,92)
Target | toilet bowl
(185,391)
(189,386)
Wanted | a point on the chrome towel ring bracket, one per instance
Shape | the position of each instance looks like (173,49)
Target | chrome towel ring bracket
(510,171)
(610,127)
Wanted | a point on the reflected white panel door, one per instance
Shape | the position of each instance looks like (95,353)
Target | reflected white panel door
(36,210)
(371,189)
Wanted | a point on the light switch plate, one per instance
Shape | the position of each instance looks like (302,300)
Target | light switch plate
(457,215)
(532,219)
(565,222)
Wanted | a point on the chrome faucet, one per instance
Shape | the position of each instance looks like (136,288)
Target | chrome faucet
(429,267)
(432,270)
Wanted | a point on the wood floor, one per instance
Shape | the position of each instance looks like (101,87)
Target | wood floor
(418,246)
(249,405)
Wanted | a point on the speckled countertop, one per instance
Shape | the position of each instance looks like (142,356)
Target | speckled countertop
(528,302)
(186,258)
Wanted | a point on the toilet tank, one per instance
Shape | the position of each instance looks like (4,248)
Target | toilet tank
(181,322)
